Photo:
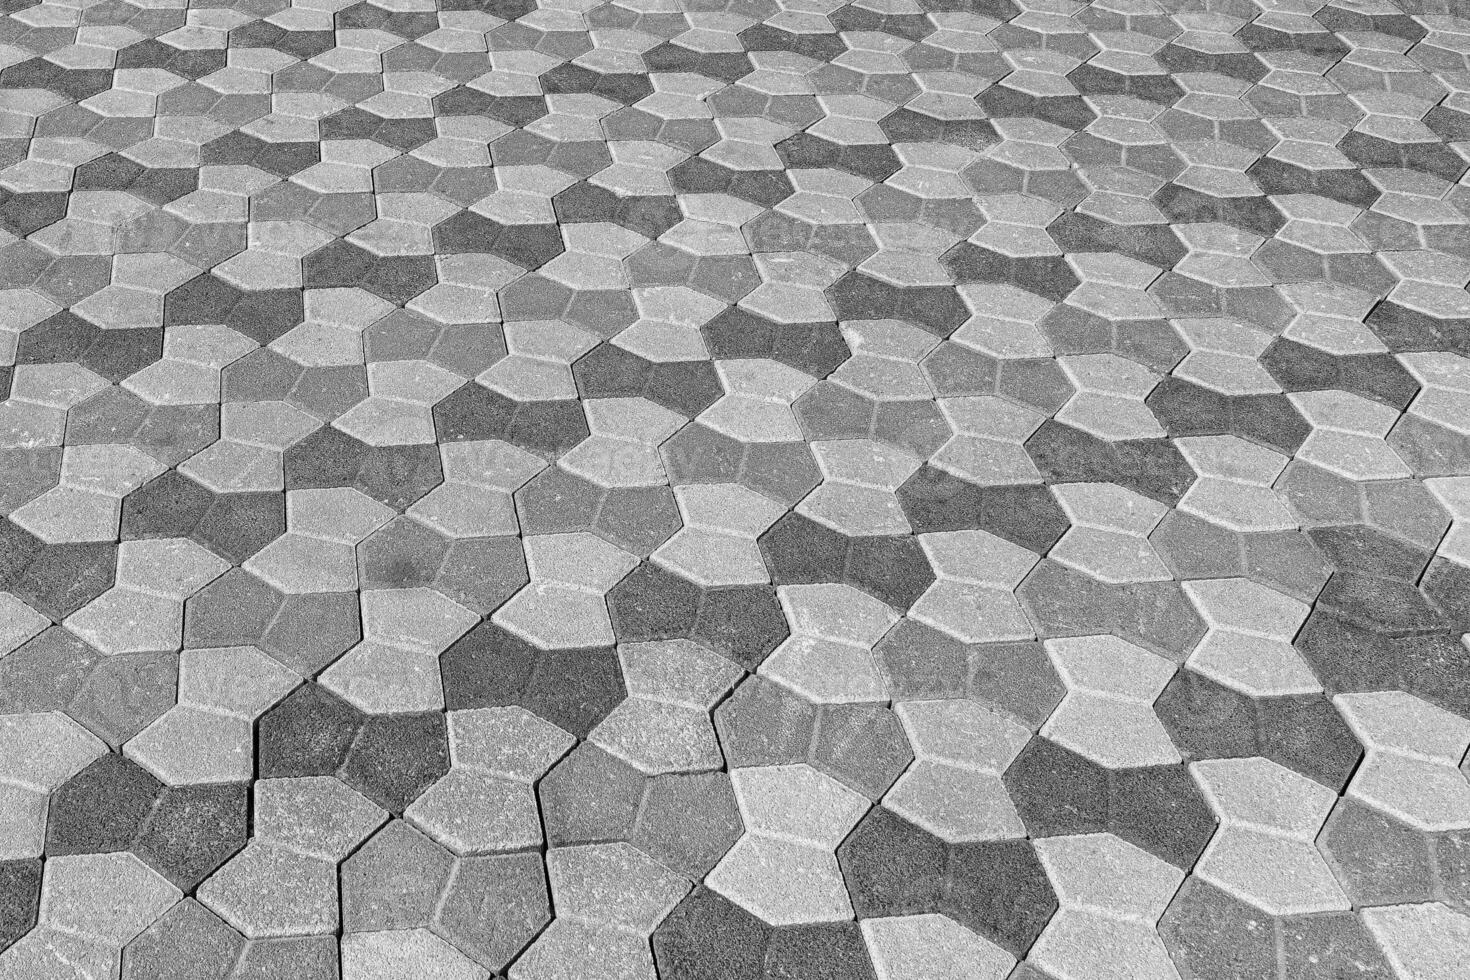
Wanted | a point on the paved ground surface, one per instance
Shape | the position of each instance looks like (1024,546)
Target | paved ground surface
(724,489)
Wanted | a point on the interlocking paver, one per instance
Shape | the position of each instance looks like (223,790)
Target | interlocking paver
(564,604)
(783,868)
(1107,713)
(717,543)
(856,495)
(207,736)
(1264,852)
(1104,927)
(907,947)
(284,883)
(1235,484)
(757,402)
(1247,645)
(493,907)
(973,596)
(248,455)
(144,610)
(664,726)
(188,939)
(318,551)
(828,658)
(989,433)
(761,489)
(395,667)
(379,955)
(87,504)
(1413,754)
(609,899)
(1108,538)
(1348,435)
(622,450)
(45,750)
(953,789)
(394,881)
(92,905)
(485,802)
(1405,933)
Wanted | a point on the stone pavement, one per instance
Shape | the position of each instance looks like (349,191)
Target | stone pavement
(734,489)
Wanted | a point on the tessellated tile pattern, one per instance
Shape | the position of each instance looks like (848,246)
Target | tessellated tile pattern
(734,490)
